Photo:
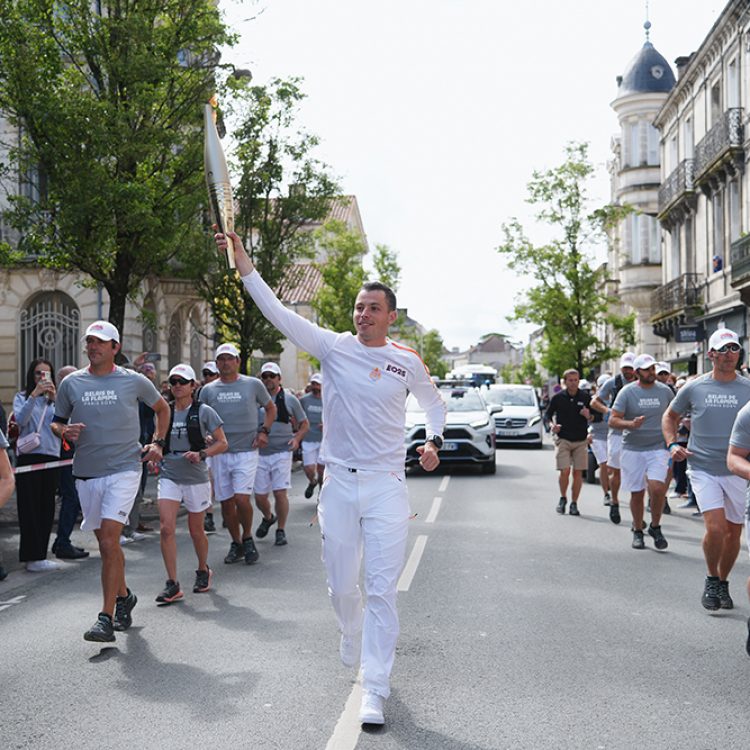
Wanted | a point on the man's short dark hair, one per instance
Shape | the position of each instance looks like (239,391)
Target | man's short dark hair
(379,286)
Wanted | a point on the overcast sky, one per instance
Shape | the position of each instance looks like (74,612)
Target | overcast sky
(435,112)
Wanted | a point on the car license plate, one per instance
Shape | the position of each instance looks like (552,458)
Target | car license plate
(450,447)
(507,433)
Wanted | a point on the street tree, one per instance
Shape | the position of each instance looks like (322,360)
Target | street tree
(106,97)
(567,296)
(432,353)
(387,267)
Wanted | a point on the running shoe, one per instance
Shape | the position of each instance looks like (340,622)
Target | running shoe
(309,490)
(607,498)
(102,631)
(574,509)
(614,513)
(208,524)
(264,526)
(250,551)
(561,505)
(667,509)
(655,533)
(371,709)
(638,540)
(349,650)
(280,538)
(711,599)
(202,580)
(172,593)
(235,553)
(725,600)
(123,607)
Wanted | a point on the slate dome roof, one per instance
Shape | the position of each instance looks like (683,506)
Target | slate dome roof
(648,72)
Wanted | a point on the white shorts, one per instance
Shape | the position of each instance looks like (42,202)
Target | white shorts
(234,474)
(599,449)
(725,491)
(109,497)
(638,466)
(310,453)
(196,497)
(274,473)
(614,449)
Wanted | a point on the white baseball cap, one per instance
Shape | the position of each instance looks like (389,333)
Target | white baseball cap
(643,362)
(211,367)
(584,385)
(183,371)
(316,378)
(721,337)
(602,379)
(271,367)
(104,330)
(227,349)
(627,360)
(663,367)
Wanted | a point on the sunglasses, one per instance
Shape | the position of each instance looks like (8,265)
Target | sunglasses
(734,348)
(178,381)
(209,374)
(268,375)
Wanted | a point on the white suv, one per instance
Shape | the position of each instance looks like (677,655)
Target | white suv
(520,421)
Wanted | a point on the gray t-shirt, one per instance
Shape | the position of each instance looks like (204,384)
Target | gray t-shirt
(174,465)
(635,401)
(740,437)
(314,409)
(713,406)
(606,394)
(282,432)
(237,404)
(108,406)
(599,428)
(3,441)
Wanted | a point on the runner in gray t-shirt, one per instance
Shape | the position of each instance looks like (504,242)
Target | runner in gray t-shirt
(97,409)
(275,462)
(312,403)
(713,402)
(236,398)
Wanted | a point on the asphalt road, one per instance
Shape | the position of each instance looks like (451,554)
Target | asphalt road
(520,629)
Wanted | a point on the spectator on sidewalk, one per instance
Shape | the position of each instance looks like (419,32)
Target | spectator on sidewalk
(7,485)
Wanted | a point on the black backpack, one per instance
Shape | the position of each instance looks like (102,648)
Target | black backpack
(195,436)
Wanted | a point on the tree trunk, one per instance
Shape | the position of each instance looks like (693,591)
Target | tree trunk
(117,299)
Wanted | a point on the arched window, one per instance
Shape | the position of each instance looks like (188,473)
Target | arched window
(50,328)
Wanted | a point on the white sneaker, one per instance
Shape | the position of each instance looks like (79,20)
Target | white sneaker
(136,536)
(371,710)
(125,539)
(349,649)
(40,566)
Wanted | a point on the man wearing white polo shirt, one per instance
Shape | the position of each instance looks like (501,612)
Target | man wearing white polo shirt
(236,398)
(637,411)
(713,401)
(364,505)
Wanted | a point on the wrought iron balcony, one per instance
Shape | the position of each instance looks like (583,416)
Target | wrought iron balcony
(679,183)
(722,141)
(740,258)
(676,296)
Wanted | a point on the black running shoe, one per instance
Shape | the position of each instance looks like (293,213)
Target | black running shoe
(638,540)
(102,631)
(655,533)
(202,580)
(235,553)
(574,509)
(710,599)
(264,526)
(310,489)
(667,509)
(614,513)
(208,524)
(249,551)
(561,505)
(725,600)
(172,593)
(280,538)
(123,607)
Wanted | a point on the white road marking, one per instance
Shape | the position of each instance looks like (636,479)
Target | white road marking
(412,563)
(11,602)
(434,510)
(444,484)
(347,730)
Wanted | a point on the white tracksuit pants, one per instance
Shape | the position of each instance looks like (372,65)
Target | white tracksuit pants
(365,510)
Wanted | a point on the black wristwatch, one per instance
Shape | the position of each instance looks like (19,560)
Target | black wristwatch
(436,440)
(263,428)
(161,442)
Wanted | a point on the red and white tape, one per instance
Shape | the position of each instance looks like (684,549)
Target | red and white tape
(40,467)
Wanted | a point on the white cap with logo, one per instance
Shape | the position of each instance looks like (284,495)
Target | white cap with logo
(316,378)
(663,367)
(627,360)
(227,349)
(270,367)
(211,367)
(104,330)
(186,372)
(643,362)
(722,337)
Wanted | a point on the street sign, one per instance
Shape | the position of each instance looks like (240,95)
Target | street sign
(689,334)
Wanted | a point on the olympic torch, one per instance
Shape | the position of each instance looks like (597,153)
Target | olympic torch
(220,197)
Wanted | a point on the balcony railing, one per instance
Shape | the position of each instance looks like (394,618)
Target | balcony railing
(740,257)
(723,138)
(677,184)
(676,296)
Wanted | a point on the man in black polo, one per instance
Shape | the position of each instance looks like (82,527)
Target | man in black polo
(569,413)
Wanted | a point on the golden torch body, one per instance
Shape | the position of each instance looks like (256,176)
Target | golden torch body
(220,196)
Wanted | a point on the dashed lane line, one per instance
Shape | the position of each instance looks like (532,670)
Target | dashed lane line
(434,510)
(407,576)
(444,484)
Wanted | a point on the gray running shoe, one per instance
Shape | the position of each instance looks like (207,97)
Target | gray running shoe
(280,538)
(235,553)
(172,593)
(250,551)
(711,598)
(561,505)
(725,600)
(659,541)
(638,540)
(123,607)
(264,526)
(102,631)
(202,580)
(574,509)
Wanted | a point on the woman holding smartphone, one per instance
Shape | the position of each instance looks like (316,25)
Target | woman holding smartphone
(34,408)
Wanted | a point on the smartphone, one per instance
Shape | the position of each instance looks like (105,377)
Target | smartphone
(152,357)
(45,376)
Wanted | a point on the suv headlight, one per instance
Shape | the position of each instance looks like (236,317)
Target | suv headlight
(535,420)
(479,423)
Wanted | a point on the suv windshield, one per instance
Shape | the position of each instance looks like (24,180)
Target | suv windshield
(456,399)
(510,396)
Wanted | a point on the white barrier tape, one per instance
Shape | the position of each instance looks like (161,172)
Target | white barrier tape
(41,467)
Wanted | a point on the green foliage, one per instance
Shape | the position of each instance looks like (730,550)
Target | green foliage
(432,353)
(528,372)
(387,268)
(343,275)
(108,104)
(566,297)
